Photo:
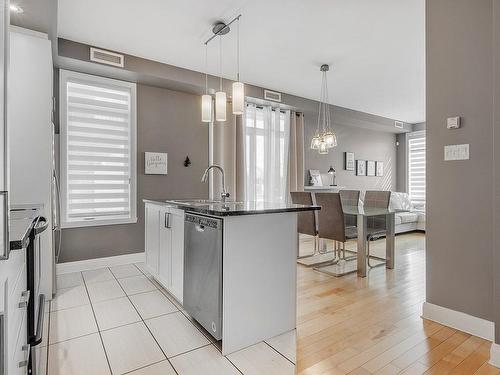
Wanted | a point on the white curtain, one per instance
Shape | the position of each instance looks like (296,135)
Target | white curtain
(266,135)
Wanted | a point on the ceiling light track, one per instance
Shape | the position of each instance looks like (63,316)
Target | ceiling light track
(221,28)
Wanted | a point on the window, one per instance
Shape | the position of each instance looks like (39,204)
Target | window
(416,168)
(266,154)
(98,150)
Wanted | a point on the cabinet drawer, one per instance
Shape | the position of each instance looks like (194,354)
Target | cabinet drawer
(18,302)
(19,360)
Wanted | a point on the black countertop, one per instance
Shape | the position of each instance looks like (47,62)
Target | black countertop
(232,208)
(20,225)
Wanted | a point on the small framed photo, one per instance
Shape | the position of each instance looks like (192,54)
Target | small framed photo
(349,161)
(155,163)
(380,168)
(370,168)
(360,167)
(315,177)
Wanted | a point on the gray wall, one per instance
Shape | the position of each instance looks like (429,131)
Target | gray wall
(459,193)
(366,145)
(496,171)
(167,121)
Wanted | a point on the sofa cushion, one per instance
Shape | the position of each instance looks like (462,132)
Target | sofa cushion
(400,201)
(407,217)
(397,219)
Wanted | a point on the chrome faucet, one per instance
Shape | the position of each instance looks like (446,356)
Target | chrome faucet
(204,178)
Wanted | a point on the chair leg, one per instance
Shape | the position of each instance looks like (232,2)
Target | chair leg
(368,256)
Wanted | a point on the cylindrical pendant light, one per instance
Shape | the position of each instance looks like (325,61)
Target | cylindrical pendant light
(238,87)
(206,100)
(220,96)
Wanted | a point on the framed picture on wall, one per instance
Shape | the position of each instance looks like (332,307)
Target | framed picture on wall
(380,168)
(370,168)
(349,161)
(155,163)
(360,167)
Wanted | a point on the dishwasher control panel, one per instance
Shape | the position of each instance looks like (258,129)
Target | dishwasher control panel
(204,221)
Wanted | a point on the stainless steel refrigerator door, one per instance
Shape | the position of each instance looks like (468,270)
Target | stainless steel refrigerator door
(4,160)
(203,272)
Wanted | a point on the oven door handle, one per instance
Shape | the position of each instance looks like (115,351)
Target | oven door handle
(37,339)
(40,225)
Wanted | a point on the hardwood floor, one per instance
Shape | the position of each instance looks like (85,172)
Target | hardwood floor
(350,325)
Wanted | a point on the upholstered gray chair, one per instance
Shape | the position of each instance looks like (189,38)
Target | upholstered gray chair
(306,223)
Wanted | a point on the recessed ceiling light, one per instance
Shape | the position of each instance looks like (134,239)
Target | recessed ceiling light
(16,9)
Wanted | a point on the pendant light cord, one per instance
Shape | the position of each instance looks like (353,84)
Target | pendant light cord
(206,68)
(238,50)
(220,60)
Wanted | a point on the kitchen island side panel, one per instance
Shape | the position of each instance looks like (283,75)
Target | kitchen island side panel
(259,278)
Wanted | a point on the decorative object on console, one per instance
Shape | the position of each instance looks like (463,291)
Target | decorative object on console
(155,163)
(332,172)
(187,162)
(370,168)
(360,167)
(380,168)
(315,178)
(325,138)
(349,161)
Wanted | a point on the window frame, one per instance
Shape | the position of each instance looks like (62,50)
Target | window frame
(410,136)
(64,76)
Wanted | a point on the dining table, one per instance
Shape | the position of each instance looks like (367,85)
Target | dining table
(363,214)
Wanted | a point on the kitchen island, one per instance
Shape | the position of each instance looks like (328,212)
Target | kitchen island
(237,258)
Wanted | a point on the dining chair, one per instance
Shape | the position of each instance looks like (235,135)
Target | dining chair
(377,225)
(306,223)
(350,198)
(331,224)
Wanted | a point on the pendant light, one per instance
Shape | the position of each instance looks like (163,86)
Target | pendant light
(238,87)
(325,137)
(206,99)
(220,96)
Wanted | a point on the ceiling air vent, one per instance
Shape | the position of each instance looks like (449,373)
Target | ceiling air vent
(272,95)
(399,124)
(106,57)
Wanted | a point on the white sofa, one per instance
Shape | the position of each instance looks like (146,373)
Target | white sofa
(413,219)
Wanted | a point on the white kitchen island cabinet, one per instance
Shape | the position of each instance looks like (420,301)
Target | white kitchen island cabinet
(238,262)
(164,244)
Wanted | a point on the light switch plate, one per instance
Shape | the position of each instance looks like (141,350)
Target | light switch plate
(453,122)
(456,152)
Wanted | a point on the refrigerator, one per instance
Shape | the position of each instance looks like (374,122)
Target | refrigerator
(4,160)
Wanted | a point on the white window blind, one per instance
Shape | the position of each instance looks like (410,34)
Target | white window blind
(416,167)
(98,135)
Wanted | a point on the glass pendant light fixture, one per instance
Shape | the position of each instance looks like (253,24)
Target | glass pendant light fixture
(220,96)
(238,87)
(325,137)
(206,99)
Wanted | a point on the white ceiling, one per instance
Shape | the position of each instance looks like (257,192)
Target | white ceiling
(376,48)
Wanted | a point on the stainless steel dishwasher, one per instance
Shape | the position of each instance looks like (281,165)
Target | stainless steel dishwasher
(203,271)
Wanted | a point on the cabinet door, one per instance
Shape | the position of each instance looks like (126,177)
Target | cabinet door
(177,219)
(152,238)
(164,274)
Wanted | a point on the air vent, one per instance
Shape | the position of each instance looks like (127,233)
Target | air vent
(399,124)
(106,57)
(272,95)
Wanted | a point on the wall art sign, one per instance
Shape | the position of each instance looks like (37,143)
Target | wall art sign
(155,163)
(370,168)
(380,168)
(360,167)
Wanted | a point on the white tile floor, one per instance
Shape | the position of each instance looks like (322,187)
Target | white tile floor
(119,321)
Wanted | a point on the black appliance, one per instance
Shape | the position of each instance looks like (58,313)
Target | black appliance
(36,303)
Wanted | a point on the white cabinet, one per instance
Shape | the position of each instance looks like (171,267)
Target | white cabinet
(164,244)
(152,237)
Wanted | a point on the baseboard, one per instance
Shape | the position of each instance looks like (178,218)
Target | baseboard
(89,264)
(495,355)
(458,320)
